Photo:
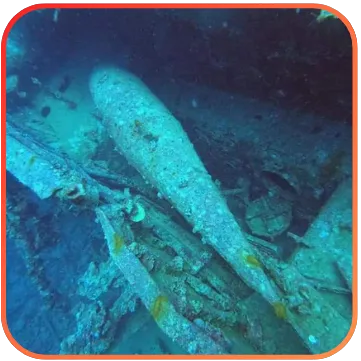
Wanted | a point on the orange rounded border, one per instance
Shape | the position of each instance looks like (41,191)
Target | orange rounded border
(178,6)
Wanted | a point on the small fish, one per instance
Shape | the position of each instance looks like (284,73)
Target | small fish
(194,103)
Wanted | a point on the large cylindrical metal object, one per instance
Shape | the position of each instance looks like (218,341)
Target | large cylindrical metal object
(154,142)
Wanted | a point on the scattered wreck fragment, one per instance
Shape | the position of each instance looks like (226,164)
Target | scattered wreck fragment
(175,253)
